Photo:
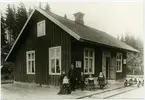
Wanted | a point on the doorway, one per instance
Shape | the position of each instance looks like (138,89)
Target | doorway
(106,63)
(107,67)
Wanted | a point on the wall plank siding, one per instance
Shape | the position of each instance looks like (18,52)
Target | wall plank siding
(72,50)
(55,36)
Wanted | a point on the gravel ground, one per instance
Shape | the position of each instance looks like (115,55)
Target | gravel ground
(21,92)
(137,94)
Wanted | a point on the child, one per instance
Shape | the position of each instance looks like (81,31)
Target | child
(91,82)
(82,80)
(66,87)
(101,80)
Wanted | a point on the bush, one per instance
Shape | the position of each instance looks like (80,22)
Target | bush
(7,70)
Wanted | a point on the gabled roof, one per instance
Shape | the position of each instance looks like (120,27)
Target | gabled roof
(78,32)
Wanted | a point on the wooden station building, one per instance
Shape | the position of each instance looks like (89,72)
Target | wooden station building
(48,44)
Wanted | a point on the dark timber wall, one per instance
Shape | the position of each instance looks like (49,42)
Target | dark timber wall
(55,36)
(78,55)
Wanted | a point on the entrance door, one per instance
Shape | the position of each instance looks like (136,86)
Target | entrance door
(112,72)
(106,64)
(107,67)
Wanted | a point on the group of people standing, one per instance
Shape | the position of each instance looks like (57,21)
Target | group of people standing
(68,81)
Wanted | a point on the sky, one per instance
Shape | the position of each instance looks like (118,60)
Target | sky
(114,17)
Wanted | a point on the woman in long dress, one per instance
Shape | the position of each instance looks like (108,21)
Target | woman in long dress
(101,80)
(61,82)
(66,86)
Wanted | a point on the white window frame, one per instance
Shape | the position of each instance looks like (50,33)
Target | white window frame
(41,28)
(55,57)
(118,68)
(93,60)
(31,59)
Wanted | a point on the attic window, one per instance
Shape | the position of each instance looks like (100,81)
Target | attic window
(41,28)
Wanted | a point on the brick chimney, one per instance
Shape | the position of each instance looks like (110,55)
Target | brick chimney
(79,18)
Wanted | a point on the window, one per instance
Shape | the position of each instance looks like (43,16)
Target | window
(41,28)
(30,62)
(119,62)
(89,61)
(55,60)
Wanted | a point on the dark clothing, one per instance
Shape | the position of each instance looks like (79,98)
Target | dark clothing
(72,84)
(101,78)
(60,83)
(66,89)
(61,78)
(82,82)
(91,84)
(91,81)
(101,81)
(82,78)
(72,73)
(72,77)
(82,85)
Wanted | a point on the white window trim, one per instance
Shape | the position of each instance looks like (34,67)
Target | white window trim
(43,22)
(119,60)
(93,64)
(30,52)
(50,73)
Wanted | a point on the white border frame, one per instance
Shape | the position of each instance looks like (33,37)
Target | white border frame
(93,64)
(43,22)
(50,63)
(30,52)
(118,53)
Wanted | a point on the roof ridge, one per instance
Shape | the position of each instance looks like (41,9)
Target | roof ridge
(86,26)
(64,18)
(76,30)
(79,24)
